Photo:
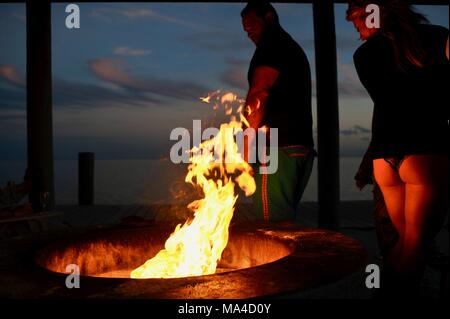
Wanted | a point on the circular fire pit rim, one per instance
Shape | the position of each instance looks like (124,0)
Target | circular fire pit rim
(279,274)
(101,236)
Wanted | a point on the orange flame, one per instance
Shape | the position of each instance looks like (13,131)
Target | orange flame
(196,247)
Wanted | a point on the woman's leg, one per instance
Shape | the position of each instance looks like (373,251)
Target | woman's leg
(393,189)
(426,204)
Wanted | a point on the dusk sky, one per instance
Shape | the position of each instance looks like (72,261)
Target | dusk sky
(133,72)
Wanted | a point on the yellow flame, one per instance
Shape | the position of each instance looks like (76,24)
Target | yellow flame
(206,99)
(196,247)
(248,109)
(258,103)
(228,110)
(228,97)
(212,95)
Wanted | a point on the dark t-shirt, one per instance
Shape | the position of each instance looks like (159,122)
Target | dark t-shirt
(288,106)
(411,109)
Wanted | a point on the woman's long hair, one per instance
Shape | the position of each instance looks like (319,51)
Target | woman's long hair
(399,23)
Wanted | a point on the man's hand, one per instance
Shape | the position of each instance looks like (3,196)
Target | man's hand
(263,79)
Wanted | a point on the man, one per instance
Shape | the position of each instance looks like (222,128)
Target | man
(279,97)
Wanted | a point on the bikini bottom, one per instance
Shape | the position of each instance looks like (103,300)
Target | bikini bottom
(395,161)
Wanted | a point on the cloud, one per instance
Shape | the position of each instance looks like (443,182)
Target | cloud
(7,117)
(10,74)
(349,84)
(109,14)
(68,94)
(12,125)
(12,99)
(74,95)
(20,16)
(347,42)
(355,130)
(112,71)
(130,52)
(235,74)
(137,13)
(218,41)
(123,89)
(362,129)
(142,13)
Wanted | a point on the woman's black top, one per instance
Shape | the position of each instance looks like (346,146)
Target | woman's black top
(411,108)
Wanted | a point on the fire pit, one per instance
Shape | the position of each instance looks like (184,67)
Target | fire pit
(116,254)
(261,259)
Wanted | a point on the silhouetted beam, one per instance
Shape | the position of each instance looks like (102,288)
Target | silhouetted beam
(39,103)
(327,114)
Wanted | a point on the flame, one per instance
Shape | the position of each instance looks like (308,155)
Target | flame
(248,109)
(209,96)
(228,97)
(206,99)
(258,103)
(228,110)
(216,165)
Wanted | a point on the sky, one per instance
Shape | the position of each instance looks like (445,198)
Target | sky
(134,71)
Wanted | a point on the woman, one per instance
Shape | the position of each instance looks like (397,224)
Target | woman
(404,68)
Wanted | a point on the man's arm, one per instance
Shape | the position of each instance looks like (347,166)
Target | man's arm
(255,105)
(263,80)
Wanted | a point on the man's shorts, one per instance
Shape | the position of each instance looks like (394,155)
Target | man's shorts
(277,195)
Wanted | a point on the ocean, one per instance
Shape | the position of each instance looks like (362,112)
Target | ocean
(125,182)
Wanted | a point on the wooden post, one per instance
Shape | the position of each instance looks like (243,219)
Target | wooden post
(39,104)
(327,113)
(86,178)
